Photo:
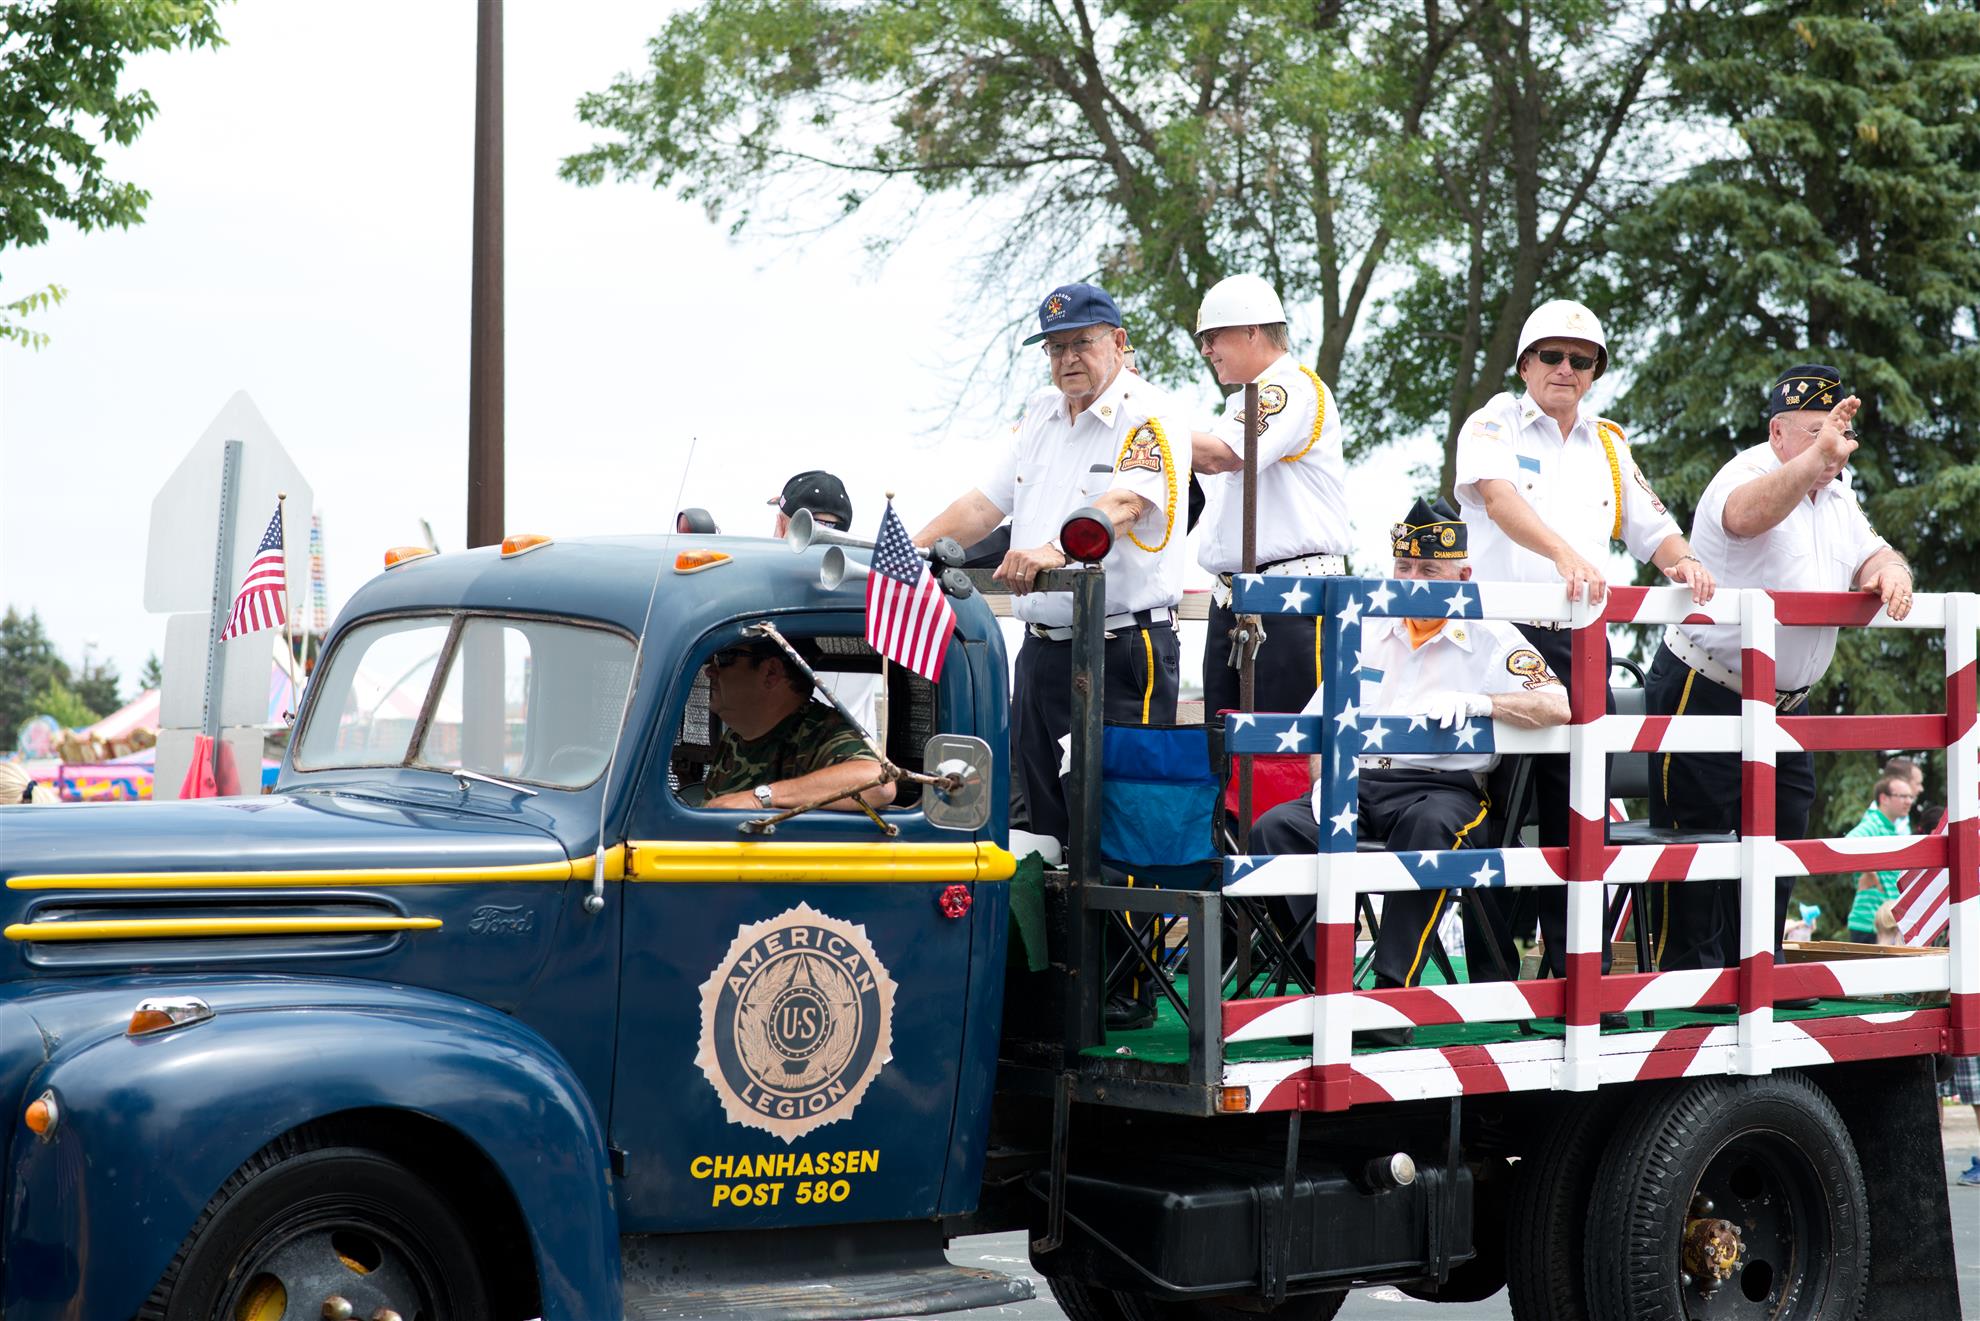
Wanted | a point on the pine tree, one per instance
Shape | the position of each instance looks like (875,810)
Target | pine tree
(1840,224)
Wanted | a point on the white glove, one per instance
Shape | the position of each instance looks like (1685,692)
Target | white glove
(1451,707)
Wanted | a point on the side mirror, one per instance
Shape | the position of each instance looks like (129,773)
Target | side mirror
(967,805)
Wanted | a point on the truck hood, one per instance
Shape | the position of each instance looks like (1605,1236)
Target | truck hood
(277,832)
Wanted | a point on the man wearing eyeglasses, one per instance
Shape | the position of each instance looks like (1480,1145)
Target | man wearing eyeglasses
(1104,437)
(1302,525)
(1545,486)
(1780,515)
(779,748)
(1886,817)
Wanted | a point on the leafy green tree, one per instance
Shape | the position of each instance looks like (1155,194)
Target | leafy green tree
(1159,147)
(1840,223)
(96,686)
(30,668)
(66,705)
(152,676)
(61,104)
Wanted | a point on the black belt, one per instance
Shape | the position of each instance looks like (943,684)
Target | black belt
(1148,618)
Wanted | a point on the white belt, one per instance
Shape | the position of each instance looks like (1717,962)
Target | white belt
(1148,618)
(1299,566)
(1695,656)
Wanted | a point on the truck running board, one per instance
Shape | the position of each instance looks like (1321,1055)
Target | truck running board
(837,1273)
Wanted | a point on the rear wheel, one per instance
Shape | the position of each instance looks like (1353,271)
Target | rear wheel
(1730,1199)
(302,1225)
(1547,1214)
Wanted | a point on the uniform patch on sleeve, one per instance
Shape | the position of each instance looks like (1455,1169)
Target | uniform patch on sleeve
(1530,669)
(1644,482)
(1271,399)
(1143,452)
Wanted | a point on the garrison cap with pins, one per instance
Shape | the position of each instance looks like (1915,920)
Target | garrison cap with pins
(1074,307)
(1430,532)
(1812,385)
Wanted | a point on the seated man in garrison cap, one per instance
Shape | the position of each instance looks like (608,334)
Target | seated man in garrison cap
(1780,515)
(1450,670)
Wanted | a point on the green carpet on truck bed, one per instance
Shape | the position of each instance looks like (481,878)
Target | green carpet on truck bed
(1166,1041)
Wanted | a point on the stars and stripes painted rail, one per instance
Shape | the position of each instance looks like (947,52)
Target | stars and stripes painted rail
(908,620)
(262,601)
(1579,1055)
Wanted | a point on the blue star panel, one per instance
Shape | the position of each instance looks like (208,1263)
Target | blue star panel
(1455,869)
(1391,598)
(1363,735)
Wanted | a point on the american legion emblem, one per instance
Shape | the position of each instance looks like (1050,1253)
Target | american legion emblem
(796,1021)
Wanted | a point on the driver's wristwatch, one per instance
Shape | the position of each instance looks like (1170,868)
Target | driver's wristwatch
(764,796)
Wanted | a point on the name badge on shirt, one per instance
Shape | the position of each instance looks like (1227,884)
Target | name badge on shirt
(1528,462)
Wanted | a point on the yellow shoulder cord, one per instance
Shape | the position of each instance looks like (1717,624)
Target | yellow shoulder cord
(1610,434)
(1319,413)
(1153,427)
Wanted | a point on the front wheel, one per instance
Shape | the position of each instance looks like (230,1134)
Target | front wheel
(301,1226)
(1730,1199)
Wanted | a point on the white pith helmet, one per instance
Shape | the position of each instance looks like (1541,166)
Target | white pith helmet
(1240,300)
(1565,319)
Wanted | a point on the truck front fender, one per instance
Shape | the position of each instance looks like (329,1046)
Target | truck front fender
(150,1128)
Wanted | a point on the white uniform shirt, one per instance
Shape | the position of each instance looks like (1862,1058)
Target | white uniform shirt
(1467,656)
(1569,483)
(1057,465)
(1302,482)
(1816,548)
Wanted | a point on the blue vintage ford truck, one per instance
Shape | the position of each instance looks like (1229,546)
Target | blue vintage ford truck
(480,1015)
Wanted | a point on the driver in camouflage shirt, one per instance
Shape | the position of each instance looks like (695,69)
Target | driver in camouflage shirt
(779,748)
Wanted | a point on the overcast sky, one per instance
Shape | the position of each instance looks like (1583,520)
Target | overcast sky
(308,240)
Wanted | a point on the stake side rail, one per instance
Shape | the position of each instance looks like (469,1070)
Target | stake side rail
(1582,1057)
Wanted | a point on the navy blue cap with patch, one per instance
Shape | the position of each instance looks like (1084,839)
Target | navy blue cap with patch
(1073,307)
(1430,532)
(1812,385)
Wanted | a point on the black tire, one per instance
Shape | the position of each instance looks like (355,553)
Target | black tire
(1547,1215)
(1081,1302)
(312,1219)
(1771,1156)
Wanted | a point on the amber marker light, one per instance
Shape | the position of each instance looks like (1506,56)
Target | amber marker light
(694,561)
(1234,1100)
(400,554)
(522,543)
(42,1114)
(167,1011)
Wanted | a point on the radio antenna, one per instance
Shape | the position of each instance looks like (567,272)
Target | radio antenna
(595,901)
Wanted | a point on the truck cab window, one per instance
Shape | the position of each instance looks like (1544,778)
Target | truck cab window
(535,700)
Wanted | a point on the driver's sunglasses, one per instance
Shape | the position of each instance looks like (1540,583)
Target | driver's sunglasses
(1581,362)
(722,660)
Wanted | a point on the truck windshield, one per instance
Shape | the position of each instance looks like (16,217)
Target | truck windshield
(524,699)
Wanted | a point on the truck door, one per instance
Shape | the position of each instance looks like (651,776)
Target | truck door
(793,1006)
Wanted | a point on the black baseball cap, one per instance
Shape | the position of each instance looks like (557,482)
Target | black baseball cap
(820,492)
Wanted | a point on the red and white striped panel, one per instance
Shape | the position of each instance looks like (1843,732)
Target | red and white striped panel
(1757,849)
(1618,1057)
(1668,605)
(1963,820)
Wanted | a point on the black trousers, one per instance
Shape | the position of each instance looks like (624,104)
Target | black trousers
(1696,925)
(1407,810)
(1140,688)
(1285,674)
(1550,793)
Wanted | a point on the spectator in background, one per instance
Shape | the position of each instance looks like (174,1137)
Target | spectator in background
(17,787)
(1912,771)
(1966,1084)
(1875,889)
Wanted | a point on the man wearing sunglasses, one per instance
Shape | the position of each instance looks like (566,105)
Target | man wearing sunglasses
(780,748)
(1545,486)
(1302,528)
(1780,515)
(1104,437)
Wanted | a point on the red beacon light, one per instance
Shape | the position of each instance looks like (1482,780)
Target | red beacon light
(1087,536)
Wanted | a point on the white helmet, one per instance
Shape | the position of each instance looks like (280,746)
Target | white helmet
(1240,300)
(1564,319)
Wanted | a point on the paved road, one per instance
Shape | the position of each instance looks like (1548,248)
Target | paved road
(1006,1252)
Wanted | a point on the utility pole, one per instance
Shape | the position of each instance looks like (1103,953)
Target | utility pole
(484,500)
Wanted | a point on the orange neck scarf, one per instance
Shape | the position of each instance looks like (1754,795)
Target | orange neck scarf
(1422,630)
